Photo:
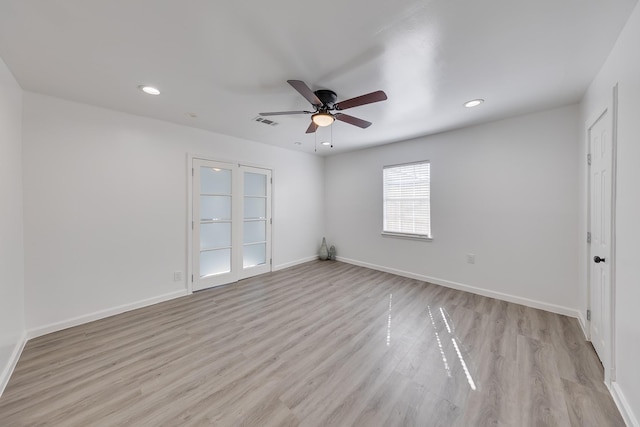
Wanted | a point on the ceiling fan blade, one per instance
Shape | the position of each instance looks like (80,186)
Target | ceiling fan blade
(312,128)
(362,100)
(353,120)
(282,113)
(305,91)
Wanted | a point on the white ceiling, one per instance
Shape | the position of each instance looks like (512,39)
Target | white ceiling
(227,61)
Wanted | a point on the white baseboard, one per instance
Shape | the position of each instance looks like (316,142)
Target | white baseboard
(86,318)
(623,405)
(553,308)
(13,361)
(294,263)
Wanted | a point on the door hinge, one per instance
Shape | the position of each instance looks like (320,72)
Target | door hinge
(192,278)
(589,159)
(271,180)
(192,225)
(270,220)
(588,314)
(588,237)
(270,261)
(192,172)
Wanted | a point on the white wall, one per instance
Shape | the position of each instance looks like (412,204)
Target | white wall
(11,241)
(105,207)
(505,191)
(623,67)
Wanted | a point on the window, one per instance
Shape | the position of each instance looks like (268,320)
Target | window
(406,194)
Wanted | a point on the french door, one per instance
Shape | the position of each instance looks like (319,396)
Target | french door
(231,222)
(256,221)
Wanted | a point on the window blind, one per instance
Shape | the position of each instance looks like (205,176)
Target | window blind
(406,193)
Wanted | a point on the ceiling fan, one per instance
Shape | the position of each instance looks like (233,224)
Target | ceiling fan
(325,108)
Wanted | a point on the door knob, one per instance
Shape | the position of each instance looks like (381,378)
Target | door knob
(597,259)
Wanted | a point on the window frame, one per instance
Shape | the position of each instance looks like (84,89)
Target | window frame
(412,236)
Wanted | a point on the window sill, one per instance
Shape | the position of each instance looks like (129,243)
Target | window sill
(407,236)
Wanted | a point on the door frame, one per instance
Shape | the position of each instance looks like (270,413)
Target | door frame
(189,164)
(609,358)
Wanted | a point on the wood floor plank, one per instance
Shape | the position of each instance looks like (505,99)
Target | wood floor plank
(318,344)
(495,401)
(590,408)
(540,387)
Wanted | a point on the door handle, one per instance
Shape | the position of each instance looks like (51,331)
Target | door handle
(598,260)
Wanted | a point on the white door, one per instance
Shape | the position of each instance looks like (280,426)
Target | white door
(256,221)
(231,223)
(214,206)
(601,151)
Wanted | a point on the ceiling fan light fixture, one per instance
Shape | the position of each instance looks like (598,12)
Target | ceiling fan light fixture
(322,119)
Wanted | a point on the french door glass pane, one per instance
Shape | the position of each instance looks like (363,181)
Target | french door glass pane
(215,235)
(255,184)
(255,207)
(255,231)
(254,255)
(215,180)
(214,208)
(215,262)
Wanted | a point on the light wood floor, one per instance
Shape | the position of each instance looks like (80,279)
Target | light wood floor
(319,344)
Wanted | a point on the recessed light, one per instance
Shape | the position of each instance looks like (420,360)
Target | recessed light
(326,143)
(298,143)
(150,90)
(473,103)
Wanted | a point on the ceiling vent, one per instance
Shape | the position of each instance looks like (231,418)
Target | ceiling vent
(265,121)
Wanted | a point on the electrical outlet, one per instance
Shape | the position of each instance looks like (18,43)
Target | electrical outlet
(177,276)
(471,258)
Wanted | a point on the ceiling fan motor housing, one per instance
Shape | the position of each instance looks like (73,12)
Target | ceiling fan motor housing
(328,97)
